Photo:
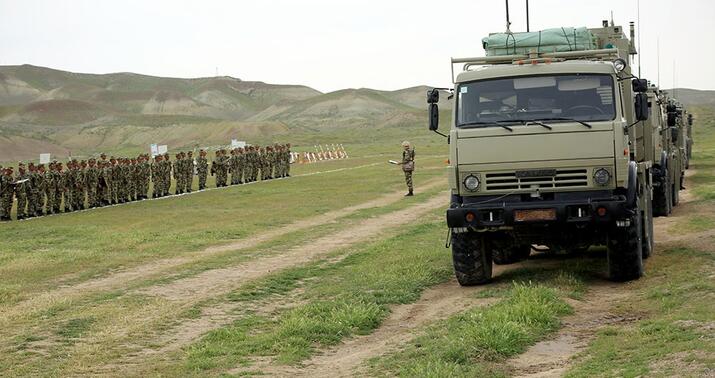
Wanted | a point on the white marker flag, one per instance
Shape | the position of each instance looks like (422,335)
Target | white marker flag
(154,149)
(163,149)
(44,158)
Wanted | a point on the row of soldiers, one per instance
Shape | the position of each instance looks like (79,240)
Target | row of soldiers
(94,183)
(250,164)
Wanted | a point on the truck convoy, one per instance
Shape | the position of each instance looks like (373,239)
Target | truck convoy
(554,142)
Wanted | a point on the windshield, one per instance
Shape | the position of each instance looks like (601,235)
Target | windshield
(581,97)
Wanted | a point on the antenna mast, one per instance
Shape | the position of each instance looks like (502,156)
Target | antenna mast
(638,17)
(657,44)
(527,15)
(508,23)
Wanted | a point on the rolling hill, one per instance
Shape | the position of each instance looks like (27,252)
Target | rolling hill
(48,110)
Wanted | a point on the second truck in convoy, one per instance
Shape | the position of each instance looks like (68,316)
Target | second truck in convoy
(555,142)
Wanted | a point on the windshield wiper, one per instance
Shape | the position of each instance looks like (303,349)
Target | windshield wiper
(567,119)
(483,123)
(527,122)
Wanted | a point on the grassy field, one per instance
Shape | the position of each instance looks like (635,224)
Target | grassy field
(332,272)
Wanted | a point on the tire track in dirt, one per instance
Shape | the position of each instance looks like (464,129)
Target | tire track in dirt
(436,303)
(217,282)
(122,278)
(213,282)
(553,357)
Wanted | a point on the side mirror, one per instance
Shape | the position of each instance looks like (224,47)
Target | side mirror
(433,117)
(641,106)
(671,119)
(640,85)
(433,96)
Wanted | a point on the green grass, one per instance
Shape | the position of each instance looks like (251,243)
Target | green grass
(87,244)
(675,335)
(349,297)
(473,343)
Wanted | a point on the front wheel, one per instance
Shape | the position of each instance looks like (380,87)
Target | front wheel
(625,250)
(472,259)
(511,254)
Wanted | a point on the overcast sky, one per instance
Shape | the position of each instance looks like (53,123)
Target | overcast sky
(329,44)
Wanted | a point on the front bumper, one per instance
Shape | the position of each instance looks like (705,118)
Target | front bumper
(598,208)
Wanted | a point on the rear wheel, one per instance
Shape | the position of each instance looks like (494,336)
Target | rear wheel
(472,259)
(625,250)
(662,202)
(647,225)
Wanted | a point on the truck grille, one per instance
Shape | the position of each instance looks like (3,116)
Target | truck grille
(564,178)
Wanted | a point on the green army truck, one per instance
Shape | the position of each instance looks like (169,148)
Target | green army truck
(664,162)
(677,121)
(542,151)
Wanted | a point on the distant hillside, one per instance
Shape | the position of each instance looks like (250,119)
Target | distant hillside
(45,96)
(47,110)
(694,97)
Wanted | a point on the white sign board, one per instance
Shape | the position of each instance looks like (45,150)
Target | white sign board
(163,149)
(44,158)
(237,143)
(154,149)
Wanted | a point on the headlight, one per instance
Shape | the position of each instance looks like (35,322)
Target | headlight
(601,176)
(619,64)
(471,182)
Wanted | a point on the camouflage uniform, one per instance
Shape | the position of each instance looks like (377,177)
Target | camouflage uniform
(178,173)
(202,169)
(286,160)
(7,189)
(116,180)
(78,188)
(22,191)
(34,206)
(240,166)
(92,182)
(233,167)
(156,177)
(189,172)
(408,165)
(51,189)
(145,169)
(219,167)
(166,175)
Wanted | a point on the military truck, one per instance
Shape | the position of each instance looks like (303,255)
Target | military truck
(542,151)
(677,121)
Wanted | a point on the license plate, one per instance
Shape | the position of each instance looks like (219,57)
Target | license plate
(535,215)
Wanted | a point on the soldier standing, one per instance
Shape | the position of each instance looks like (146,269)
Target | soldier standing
(166,172)
(50,189)
(286,160)
(56,183)
(233,166)
(408,165)
(7,189)
(241,165)
(33,200)
(189,171)
(202,169)
(80,185)
(215,168)
(22,190)
(178,175)
(116,180)
(92,179)
(156,177)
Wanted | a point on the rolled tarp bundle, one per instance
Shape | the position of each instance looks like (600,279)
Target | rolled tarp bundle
(548,40)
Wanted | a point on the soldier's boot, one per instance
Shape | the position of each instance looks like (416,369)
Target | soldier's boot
(409,193)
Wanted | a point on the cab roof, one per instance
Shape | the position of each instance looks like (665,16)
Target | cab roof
(528,69)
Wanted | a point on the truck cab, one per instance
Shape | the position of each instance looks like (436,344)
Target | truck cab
(543,152)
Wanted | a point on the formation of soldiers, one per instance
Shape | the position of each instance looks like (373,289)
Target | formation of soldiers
(78,185)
